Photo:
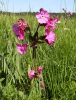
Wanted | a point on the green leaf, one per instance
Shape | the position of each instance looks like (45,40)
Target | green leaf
(29,68)
(2,79)
(18,64)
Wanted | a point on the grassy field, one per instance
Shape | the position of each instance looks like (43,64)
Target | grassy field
(59,62)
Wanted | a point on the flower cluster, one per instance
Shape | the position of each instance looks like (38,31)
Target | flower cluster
(33,74)
(20,30)
(44,20)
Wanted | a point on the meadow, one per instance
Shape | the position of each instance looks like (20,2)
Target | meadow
(58,61)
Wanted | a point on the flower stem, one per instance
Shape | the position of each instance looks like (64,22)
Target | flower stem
(34,58)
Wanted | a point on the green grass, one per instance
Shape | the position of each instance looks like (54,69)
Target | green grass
(59,62)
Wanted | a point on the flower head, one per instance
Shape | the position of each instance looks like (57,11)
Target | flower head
(18,31)
(51,23)
(42,16)
(22,48)
(31,74)
(50,37)
(70,13)
(22,23)
(39,69)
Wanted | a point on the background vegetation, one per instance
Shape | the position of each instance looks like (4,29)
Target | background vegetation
(59,61)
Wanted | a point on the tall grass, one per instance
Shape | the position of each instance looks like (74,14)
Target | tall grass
(59,62)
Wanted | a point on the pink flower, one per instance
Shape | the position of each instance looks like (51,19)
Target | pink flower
(47,31)
(31,74)
(50,37)
(70,13)
(22,23)
(22,48)
(55,20)
(51,23)
(42,16)
(39,69)
(18,31)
